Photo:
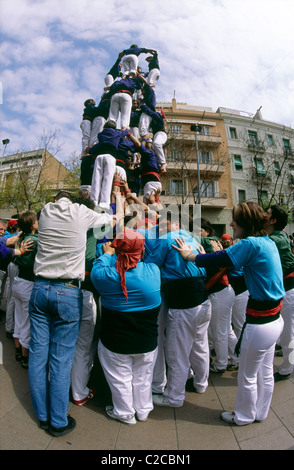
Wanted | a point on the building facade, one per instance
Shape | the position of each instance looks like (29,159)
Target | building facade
(28,180)
(198,166)
(261,159)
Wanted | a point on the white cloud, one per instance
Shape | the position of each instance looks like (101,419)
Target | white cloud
(228,53)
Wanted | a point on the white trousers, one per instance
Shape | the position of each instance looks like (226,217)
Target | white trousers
(187,344)
(159,373)
(286,339)
(129,377)
(255,376)
(22,290)
(220,329)
(86,134)
(144,124)
(130,63)
(121,103)
(12,272)
(122,172)
(85,348)
(159,140)
(151,187)
(102,179)
(239,312)
(97,127)
(108,79)
(153,76)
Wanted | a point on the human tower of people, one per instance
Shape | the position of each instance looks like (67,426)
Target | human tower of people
(129,99)
(156,300)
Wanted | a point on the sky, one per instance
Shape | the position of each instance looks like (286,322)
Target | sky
(237,54)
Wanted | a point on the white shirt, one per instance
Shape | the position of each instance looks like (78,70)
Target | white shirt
(62,237)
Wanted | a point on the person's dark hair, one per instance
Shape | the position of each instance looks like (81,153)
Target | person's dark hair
(63,194)
(281,215)
(110,124)
(206,225)
(85,201)
(26,221)
(251,217)
(87,102)
(133,45)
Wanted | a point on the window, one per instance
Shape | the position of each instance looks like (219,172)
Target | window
(175,155)
(176,128)
(238,162)
(259,165)
(253,141)
(205,130)
(175,186)
(277,168)
(287,147)
(233,133)
(241,195)
(209,189)
(205,157)
(270,139)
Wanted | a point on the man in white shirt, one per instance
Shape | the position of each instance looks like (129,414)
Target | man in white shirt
(56,306)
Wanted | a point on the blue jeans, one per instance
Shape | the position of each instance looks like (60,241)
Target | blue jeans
(55,314)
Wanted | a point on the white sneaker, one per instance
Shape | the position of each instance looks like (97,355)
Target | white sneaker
(160,400)
(228,417)
(130,420)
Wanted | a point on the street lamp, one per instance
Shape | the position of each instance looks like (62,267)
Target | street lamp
(4,142)
(196,128)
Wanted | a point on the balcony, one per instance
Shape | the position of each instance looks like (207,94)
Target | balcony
(204,140)
(256,146)
(216,168)
(219,202)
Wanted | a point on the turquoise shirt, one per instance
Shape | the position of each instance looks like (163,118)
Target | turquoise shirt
(260,260)
(143,285)
(170,262)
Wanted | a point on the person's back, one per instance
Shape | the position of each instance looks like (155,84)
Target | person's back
(62,239)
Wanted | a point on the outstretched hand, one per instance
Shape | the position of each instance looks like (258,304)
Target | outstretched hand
(183,248)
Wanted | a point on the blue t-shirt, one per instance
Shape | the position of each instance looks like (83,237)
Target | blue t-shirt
(260,260)
(151,237)
(170,262)
(143,285)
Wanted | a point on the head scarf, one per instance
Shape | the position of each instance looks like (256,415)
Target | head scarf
(128,246)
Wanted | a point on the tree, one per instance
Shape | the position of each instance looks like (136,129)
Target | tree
(182,164)
(34,176)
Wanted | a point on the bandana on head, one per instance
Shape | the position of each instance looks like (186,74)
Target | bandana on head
(129,246)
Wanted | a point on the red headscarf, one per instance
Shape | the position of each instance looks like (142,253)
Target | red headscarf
(128,247)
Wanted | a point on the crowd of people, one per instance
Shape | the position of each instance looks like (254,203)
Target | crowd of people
(111,276)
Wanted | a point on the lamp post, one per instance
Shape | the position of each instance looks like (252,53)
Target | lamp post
(4,142)
(196,128)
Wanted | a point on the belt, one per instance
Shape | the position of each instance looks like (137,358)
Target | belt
(69,282)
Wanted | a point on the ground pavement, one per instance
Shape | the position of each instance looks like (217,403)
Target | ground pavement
(195,426)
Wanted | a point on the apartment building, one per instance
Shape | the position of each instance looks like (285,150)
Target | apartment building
(28,180)
(261,159)
(199,169)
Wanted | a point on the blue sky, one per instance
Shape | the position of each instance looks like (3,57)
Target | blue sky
(237,54)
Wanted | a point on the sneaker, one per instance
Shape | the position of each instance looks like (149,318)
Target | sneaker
(71,424)
(18,354)
(214,369)
(91,394)
(130,420)
(24,362)
(228,417)
(233,367)
(44,424)
(278,377)
(142,418)
(160,400)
